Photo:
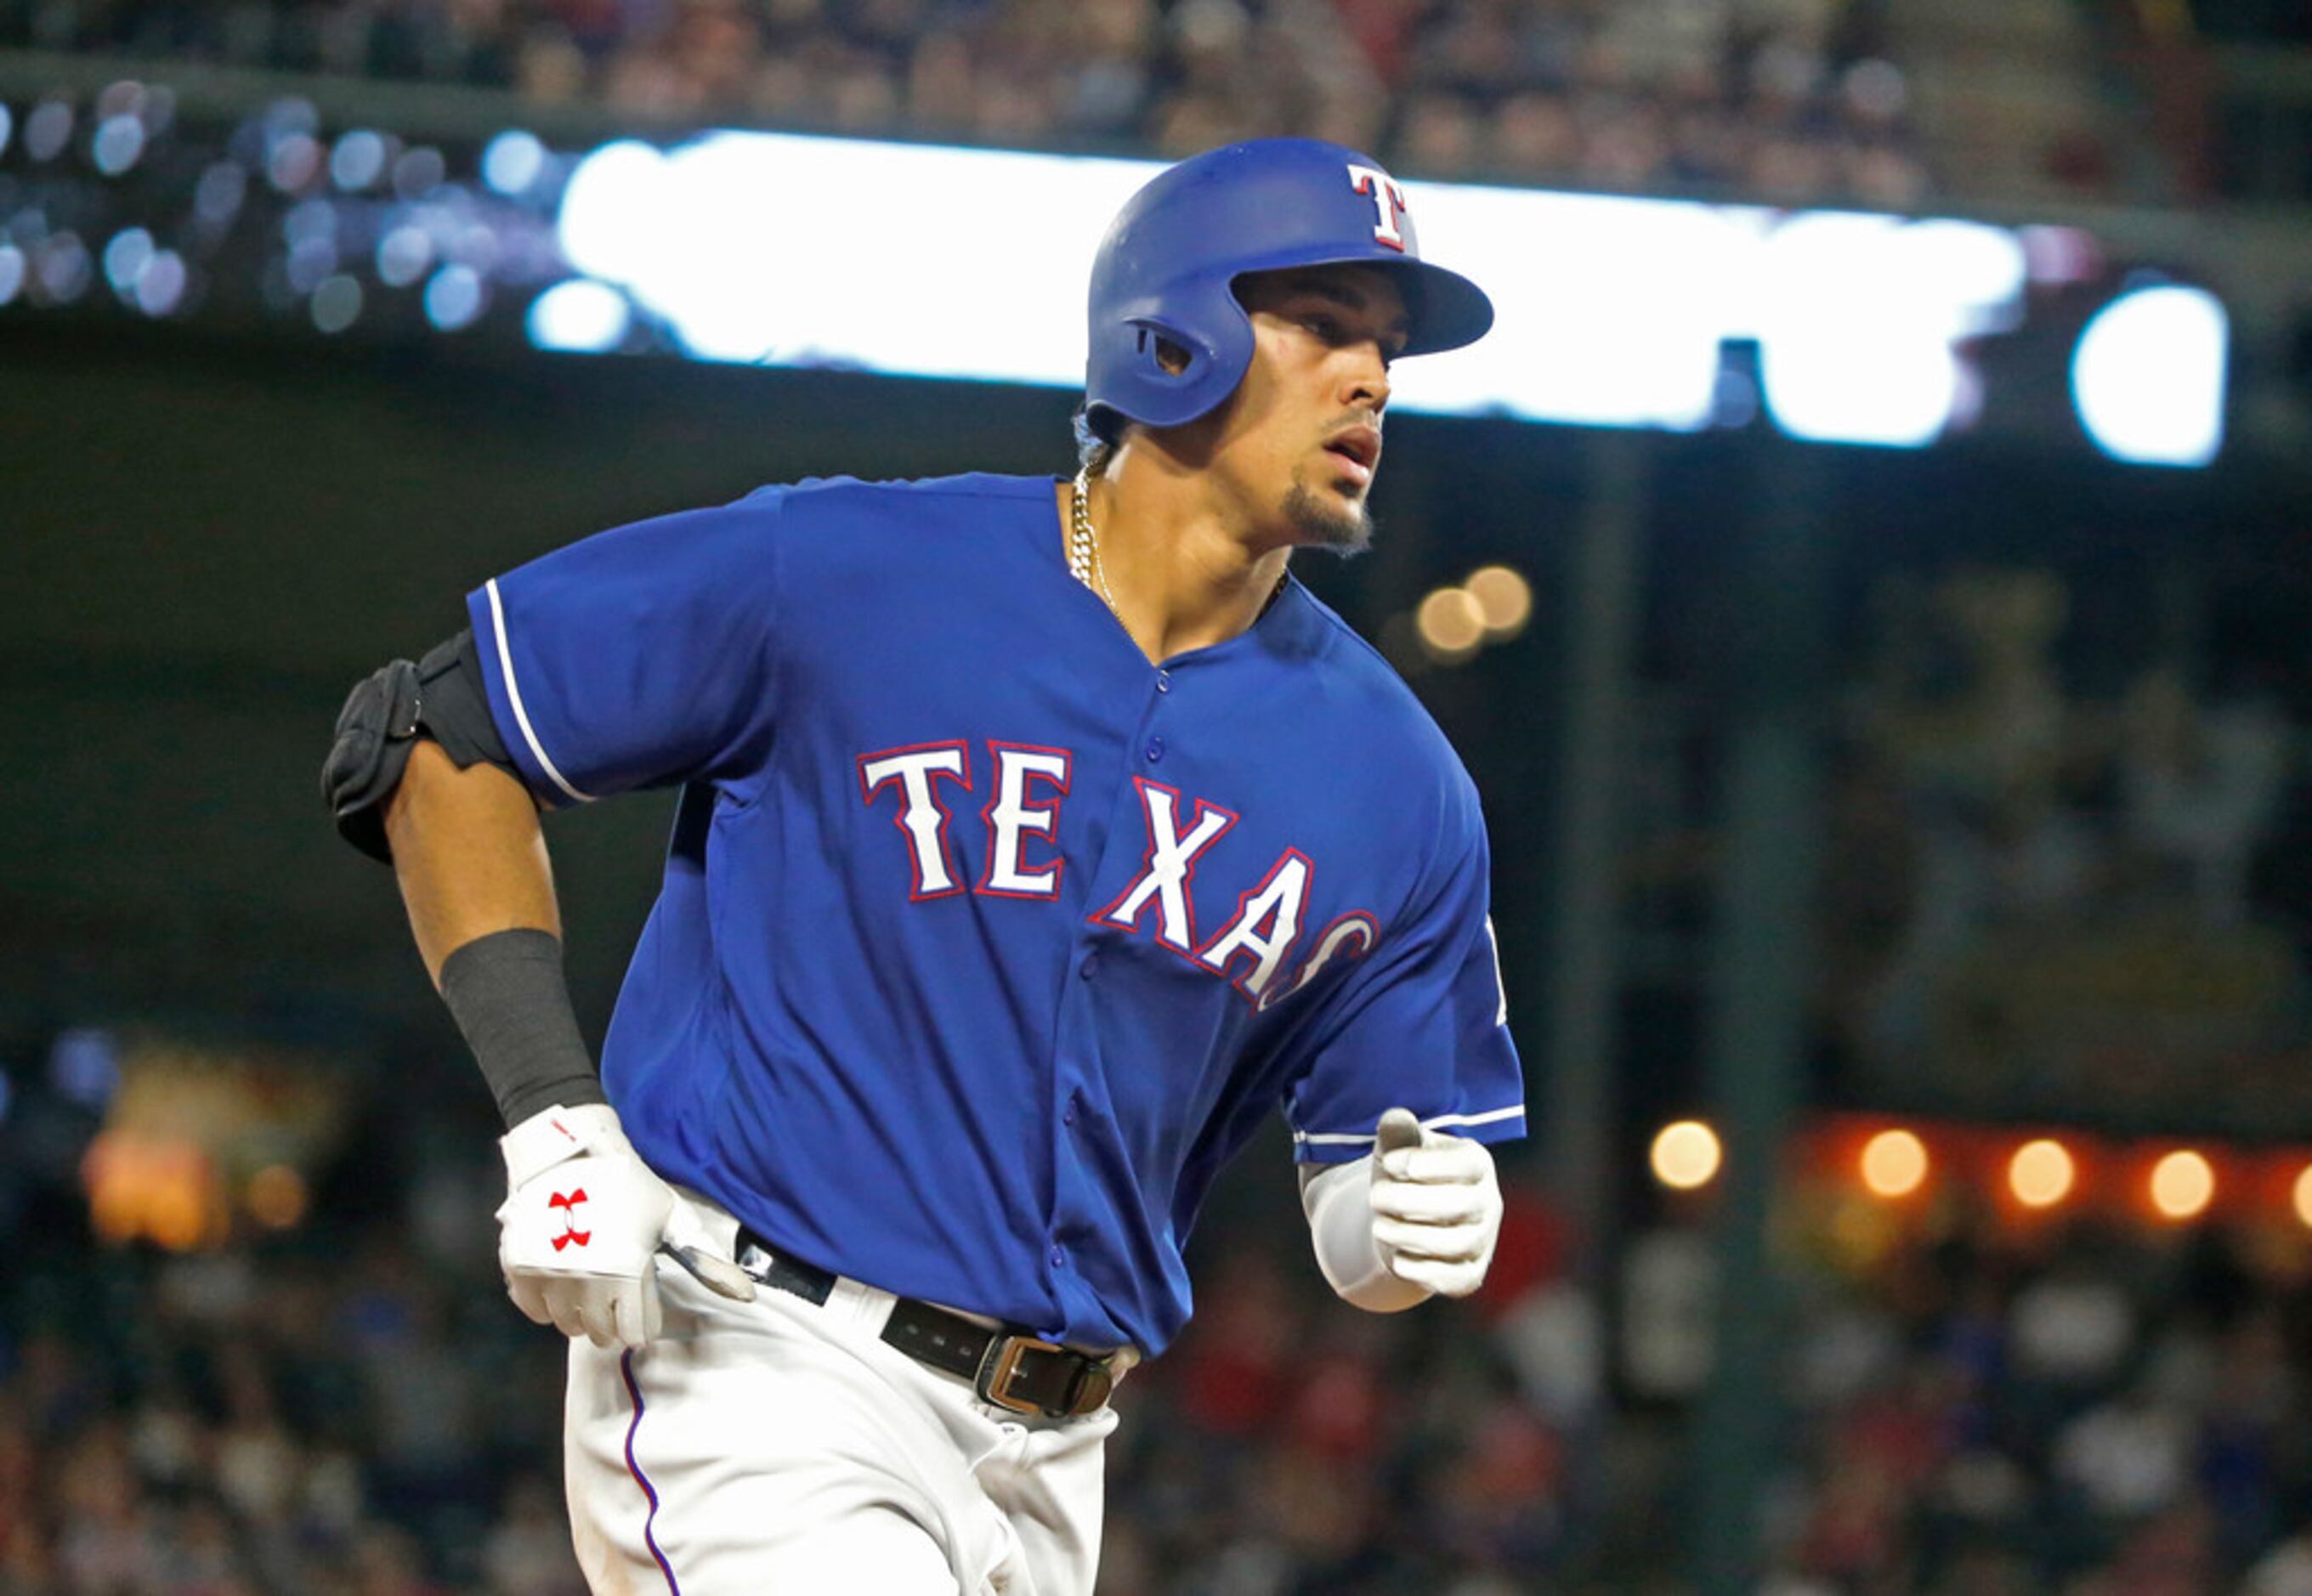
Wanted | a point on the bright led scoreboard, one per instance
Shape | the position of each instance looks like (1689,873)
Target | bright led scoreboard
(1837,326)
(124,198)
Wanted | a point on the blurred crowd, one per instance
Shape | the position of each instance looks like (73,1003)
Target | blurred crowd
(1791,99)
(2065,886)
(2085,1411)
(278,1424)
(346,1409)
(350,1409)
(1879,102)
(1291,1446)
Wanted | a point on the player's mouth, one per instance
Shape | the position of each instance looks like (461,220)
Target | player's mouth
(1358,449)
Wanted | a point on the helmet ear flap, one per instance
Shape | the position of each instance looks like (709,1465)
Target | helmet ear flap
(1129,374)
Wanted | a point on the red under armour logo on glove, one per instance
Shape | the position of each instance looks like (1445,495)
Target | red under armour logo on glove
(568,1202)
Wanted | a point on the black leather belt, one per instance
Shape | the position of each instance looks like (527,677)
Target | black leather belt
(1016,1371)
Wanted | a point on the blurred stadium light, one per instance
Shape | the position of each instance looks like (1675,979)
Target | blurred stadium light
(512,162)
(580,317)
(756,248)
(1686,1155)
(1504,597)
(1613,311)
(2148,377)
(2146,1183)
(185,1127)
(1451,624)
(2042,1172)
(1893,1164)
(2183,1184)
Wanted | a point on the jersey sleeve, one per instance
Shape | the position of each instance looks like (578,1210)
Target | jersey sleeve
(641,657)
(1420,1023)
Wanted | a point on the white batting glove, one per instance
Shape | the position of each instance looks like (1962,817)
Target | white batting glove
(581,1225)
(1436,1206)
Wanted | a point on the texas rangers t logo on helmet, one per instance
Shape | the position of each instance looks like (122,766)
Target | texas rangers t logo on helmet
(1389,202)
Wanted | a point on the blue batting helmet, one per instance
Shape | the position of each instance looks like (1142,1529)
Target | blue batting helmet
(1168,266)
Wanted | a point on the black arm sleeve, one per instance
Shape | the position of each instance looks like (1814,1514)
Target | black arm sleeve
(506,992)
(441,697)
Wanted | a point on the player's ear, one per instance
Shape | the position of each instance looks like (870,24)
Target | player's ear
(1171,356)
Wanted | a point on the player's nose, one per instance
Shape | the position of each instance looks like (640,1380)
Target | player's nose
(1365,385)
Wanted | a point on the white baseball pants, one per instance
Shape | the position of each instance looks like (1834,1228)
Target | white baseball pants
(764,1448)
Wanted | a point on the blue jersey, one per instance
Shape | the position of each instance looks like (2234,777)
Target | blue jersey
(984,942)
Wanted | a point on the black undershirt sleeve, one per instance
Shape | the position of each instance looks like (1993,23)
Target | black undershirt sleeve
(453,707)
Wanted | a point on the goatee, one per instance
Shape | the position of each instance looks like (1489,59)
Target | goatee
(1325,521)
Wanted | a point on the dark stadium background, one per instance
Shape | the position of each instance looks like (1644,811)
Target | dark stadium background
(250,1334)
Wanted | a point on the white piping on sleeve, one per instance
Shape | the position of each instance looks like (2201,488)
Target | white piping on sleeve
(1333,1139)
(513,694)
(1502,1017)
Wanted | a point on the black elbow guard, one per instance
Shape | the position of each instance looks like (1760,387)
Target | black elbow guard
(441,697)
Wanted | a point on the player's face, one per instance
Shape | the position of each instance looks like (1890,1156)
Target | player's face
(1301,438)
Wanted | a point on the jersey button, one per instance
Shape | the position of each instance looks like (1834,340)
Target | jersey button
(1155,749)
(1163,680)
(1068,1114)
(1089,967)
(1059,1256)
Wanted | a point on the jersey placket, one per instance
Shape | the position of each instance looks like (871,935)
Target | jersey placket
(1076,1052)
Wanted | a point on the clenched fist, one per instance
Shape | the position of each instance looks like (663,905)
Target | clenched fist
(1436,1206)
(582,1224)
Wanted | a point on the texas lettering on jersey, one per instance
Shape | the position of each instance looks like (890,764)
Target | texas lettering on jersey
(1021,816)
(823,1039)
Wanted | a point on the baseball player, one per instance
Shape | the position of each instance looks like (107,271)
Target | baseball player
(1036,840)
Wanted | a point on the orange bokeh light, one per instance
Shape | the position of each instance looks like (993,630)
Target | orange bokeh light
(1893,1164)
(2041,1173)
(1686,1155)
(2183,1184)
